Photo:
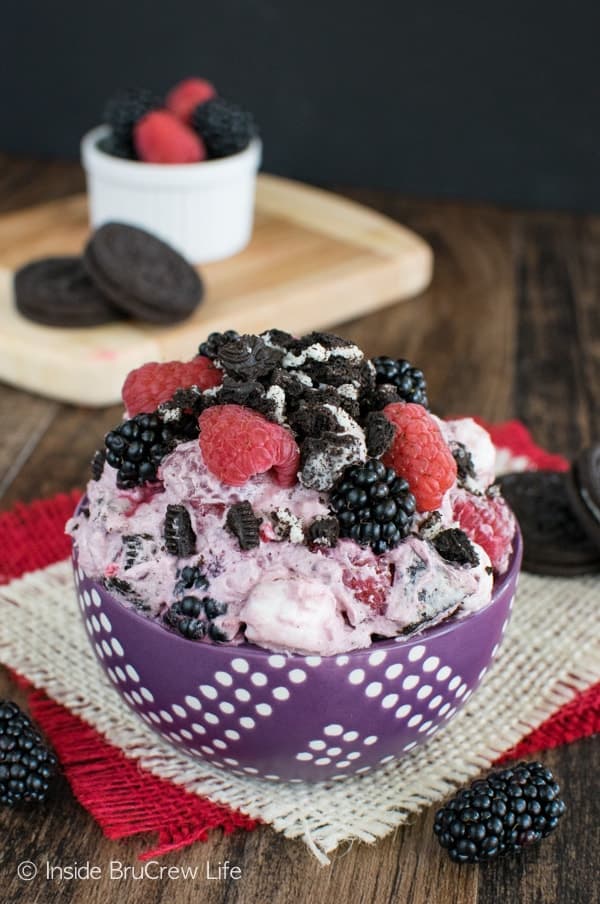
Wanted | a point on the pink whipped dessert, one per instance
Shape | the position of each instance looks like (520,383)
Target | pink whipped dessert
(293,494)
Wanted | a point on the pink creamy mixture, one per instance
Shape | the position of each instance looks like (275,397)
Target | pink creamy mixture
(282,595)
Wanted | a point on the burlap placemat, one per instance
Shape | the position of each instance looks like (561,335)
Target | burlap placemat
(551,651)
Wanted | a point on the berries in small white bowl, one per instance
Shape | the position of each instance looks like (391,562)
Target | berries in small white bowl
(183,168)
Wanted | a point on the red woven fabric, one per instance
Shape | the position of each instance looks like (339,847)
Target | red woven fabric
(126,800)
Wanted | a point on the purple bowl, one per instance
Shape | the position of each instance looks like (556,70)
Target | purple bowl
(294,718)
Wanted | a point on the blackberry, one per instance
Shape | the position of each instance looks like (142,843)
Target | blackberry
(26,763)
(408,380)
(213,608)
(136,447)
(117,147)
(122,111)
(192,617)
(224,127)
(373,505)
(186,620)
(501,814)
(212,346)
(190,576)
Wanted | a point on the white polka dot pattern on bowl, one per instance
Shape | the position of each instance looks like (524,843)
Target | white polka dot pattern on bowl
(230,707)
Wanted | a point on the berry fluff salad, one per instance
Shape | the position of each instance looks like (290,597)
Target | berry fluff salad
(291,493)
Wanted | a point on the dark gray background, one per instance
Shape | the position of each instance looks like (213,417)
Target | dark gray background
(471,100)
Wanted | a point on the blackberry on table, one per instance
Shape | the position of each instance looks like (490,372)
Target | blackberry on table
(212,346)
(123,110)
(136,447)
(224,127)
(26,763)
(373,505)
(409,381)
(501,814)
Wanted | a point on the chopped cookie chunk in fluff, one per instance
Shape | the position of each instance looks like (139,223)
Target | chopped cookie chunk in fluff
(291,493)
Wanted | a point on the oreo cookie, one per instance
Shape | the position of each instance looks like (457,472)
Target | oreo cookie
(141,275)
(57,291)
(554,541)
(583,486)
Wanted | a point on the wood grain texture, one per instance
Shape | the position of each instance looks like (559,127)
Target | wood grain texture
(314,259)
(510,326)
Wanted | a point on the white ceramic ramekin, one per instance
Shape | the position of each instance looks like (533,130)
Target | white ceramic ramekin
(204,210)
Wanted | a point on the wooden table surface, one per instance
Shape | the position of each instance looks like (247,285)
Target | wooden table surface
(509,327)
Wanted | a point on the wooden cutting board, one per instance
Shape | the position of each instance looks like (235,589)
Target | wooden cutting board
(315,260)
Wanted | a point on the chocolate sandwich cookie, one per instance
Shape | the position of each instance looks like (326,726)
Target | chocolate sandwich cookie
(583,486)
(57,291)
(141,274)
(554,541)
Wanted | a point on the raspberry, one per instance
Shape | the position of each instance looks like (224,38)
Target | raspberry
(147,386)
(238,443)
(183,99)
(160,137)
(488,521)
(420,454)
(369,580)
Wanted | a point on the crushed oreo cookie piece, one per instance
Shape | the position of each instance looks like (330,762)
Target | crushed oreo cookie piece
(243,523)
(329,341)
(323,459)
(185,405)
(133,545)
(333,372)
(180,538)
(287,526)
(465,468)
(97,464)
(249,357)
(323,532)
(124,588)
(454,546)
(376,399)
(313,419)
(212,346)
(278,339)
(430,526)
(379,433)
(250,394)
(290,383)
